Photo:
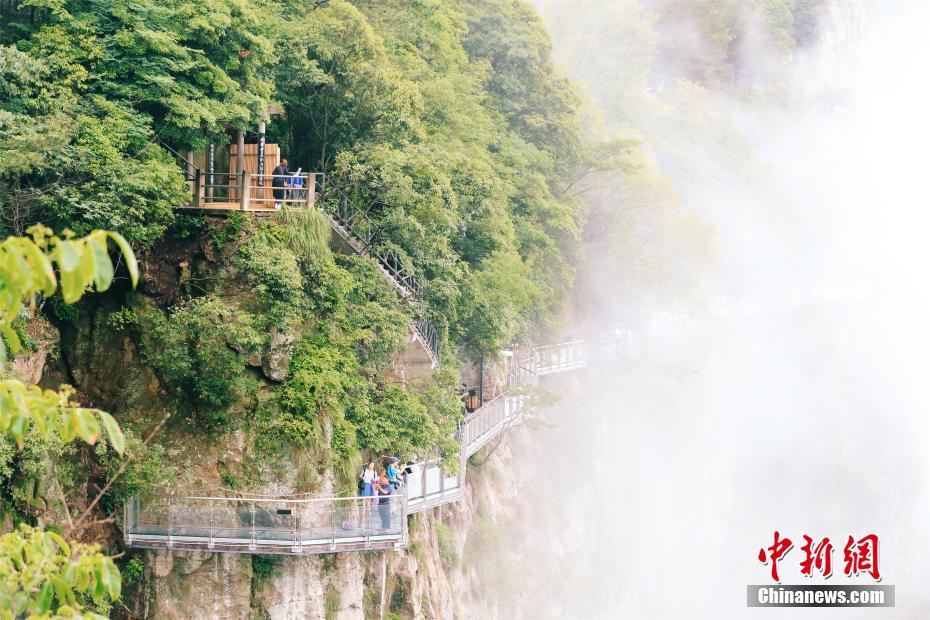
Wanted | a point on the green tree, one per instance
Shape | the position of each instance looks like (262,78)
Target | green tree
(40,573)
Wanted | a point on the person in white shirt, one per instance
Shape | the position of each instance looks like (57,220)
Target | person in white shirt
(368,479)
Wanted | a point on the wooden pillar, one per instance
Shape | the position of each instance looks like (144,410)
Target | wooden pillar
(198,189)
(245,181)
(240,151)
(240,162)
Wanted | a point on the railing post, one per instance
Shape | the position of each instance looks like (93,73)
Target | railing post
(210,542)
(211,170)
(128,508)
(245,181)
(240,151)
(198,189)
(403,517)
(333,514)
(366,504)
(253,544)
(170,540)
(296,546)
(300,538)
(311,189)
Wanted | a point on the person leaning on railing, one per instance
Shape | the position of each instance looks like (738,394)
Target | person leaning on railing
(279,182)
(384,490)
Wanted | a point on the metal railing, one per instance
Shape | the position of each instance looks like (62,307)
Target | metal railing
(352,219)
(429,338)
(503,411)
(432,484)
(247,191)
(266,525)
(268,191)
(488,421)
(559,357)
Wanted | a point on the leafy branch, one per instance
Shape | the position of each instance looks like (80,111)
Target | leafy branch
(38,267)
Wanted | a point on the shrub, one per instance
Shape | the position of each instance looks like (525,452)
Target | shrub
(26,341)
(400,596)
(133,570)
(446,546)
(57,308)
(273,272)
(360,307)
(397,423)
(305,231)
(234,222)
(186,226)
(198,350)
(228,480)
(331,602)
(265,567)
(122,319)
(27,473)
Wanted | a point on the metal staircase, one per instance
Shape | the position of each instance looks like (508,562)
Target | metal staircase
(362,234)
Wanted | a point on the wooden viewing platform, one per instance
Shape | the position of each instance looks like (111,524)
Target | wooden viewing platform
(252,192)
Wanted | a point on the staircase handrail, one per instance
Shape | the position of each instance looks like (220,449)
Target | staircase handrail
(187,167)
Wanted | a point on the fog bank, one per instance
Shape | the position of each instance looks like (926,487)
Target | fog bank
(663,477)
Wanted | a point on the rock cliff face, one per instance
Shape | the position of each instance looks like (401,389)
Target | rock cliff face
(442,574)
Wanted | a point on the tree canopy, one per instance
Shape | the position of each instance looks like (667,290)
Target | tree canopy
(444,119)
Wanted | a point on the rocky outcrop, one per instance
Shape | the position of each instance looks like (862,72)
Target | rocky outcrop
(29,364)
(190,585)
(277,357)
(439,575)
(316,587)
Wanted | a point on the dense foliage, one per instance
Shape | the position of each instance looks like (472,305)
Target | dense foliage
(198,351)
(444,119)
